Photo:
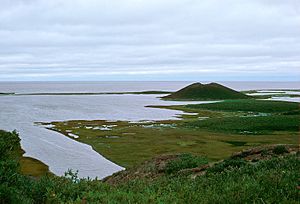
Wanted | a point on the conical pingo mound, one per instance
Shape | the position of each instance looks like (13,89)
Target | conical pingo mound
(212,91)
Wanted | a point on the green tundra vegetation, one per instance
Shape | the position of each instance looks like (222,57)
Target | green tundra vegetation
(215,130)
(257,106)
(266,175)
(28,166)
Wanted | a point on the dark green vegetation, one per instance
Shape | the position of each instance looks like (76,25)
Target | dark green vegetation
(9,145)
(10,148)
(249,117)
(257,106)
(258,116)
(216,130)
(185,161)
(212,91)
(249,125)
(280,149)
(14,178)
(239,179)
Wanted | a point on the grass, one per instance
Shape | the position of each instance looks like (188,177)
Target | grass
(33,167)
(185,161)
(249,125)
(249,117)
(236,143)
(233,181)
(132,147)
(217,136)
(263,106)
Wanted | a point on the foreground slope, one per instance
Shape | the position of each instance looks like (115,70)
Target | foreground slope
(264,175)
(212,91)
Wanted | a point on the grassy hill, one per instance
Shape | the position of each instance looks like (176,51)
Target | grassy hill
(212,91)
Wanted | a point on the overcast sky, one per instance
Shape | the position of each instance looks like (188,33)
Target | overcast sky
(150,40)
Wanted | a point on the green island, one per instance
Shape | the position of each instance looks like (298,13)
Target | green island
(203,92)
(237,150)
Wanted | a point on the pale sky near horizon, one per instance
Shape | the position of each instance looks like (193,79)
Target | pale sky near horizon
(150,40)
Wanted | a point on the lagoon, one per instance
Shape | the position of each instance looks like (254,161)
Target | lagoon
(59,152)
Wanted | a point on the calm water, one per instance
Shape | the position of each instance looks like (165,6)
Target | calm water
(61,153)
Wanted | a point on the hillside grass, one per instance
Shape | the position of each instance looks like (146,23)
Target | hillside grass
(232,181)
(212,91)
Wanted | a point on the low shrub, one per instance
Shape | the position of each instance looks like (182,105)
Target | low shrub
(227,164)
(185,161)
(280,149)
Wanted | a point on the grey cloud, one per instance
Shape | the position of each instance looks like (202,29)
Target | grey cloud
(40,38)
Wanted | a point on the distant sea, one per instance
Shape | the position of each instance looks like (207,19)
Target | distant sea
(122,86)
